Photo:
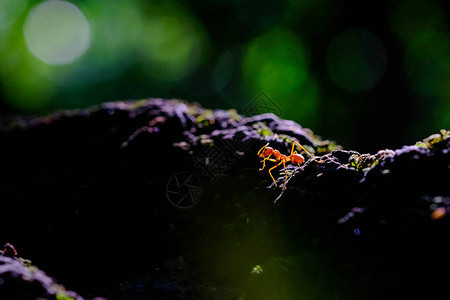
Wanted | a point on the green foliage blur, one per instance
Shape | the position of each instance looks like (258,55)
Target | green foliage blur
(370,75)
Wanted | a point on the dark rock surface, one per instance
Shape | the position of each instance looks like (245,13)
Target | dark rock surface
(159,199)
(21,280)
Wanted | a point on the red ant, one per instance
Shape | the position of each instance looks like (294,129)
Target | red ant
(295,158)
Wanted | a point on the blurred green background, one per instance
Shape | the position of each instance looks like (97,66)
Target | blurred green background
(369,74)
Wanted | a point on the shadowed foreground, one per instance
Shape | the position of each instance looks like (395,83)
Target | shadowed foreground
(159,199)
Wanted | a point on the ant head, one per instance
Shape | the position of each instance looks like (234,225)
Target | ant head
(265,151)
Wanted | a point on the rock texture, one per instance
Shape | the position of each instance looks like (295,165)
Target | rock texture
(19,279)
(162,199)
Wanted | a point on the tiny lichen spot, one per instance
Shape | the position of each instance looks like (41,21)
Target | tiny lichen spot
(262,129)
(63,296)
(234,116)
(286,138)
(265,132)
(139,103)
(325,147)
(206,118)
(256,270)
(433,139)
(421,144)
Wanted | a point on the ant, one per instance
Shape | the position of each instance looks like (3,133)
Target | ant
(295,158)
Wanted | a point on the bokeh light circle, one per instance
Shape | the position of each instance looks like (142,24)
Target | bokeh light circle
(427,64)
(410,18)
(118,33)
(57,32)
(210,79)
(356,60)
(173,45)
(277,63)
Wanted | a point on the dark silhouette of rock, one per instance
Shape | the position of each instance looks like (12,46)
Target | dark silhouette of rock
(158,199)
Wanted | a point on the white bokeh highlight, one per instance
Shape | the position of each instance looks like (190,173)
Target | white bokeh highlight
(57,32)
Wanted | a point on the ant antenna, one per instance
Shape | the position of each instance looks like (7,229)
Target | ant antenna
(262,148)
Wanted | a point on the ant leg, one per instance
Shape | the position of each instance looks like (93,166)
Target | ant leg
(272,169)
(285,174)
(312,156)
(293,145)
(264,161)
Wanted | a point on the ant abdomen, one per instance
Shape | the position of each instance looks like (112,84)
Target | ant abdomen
(297,158)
